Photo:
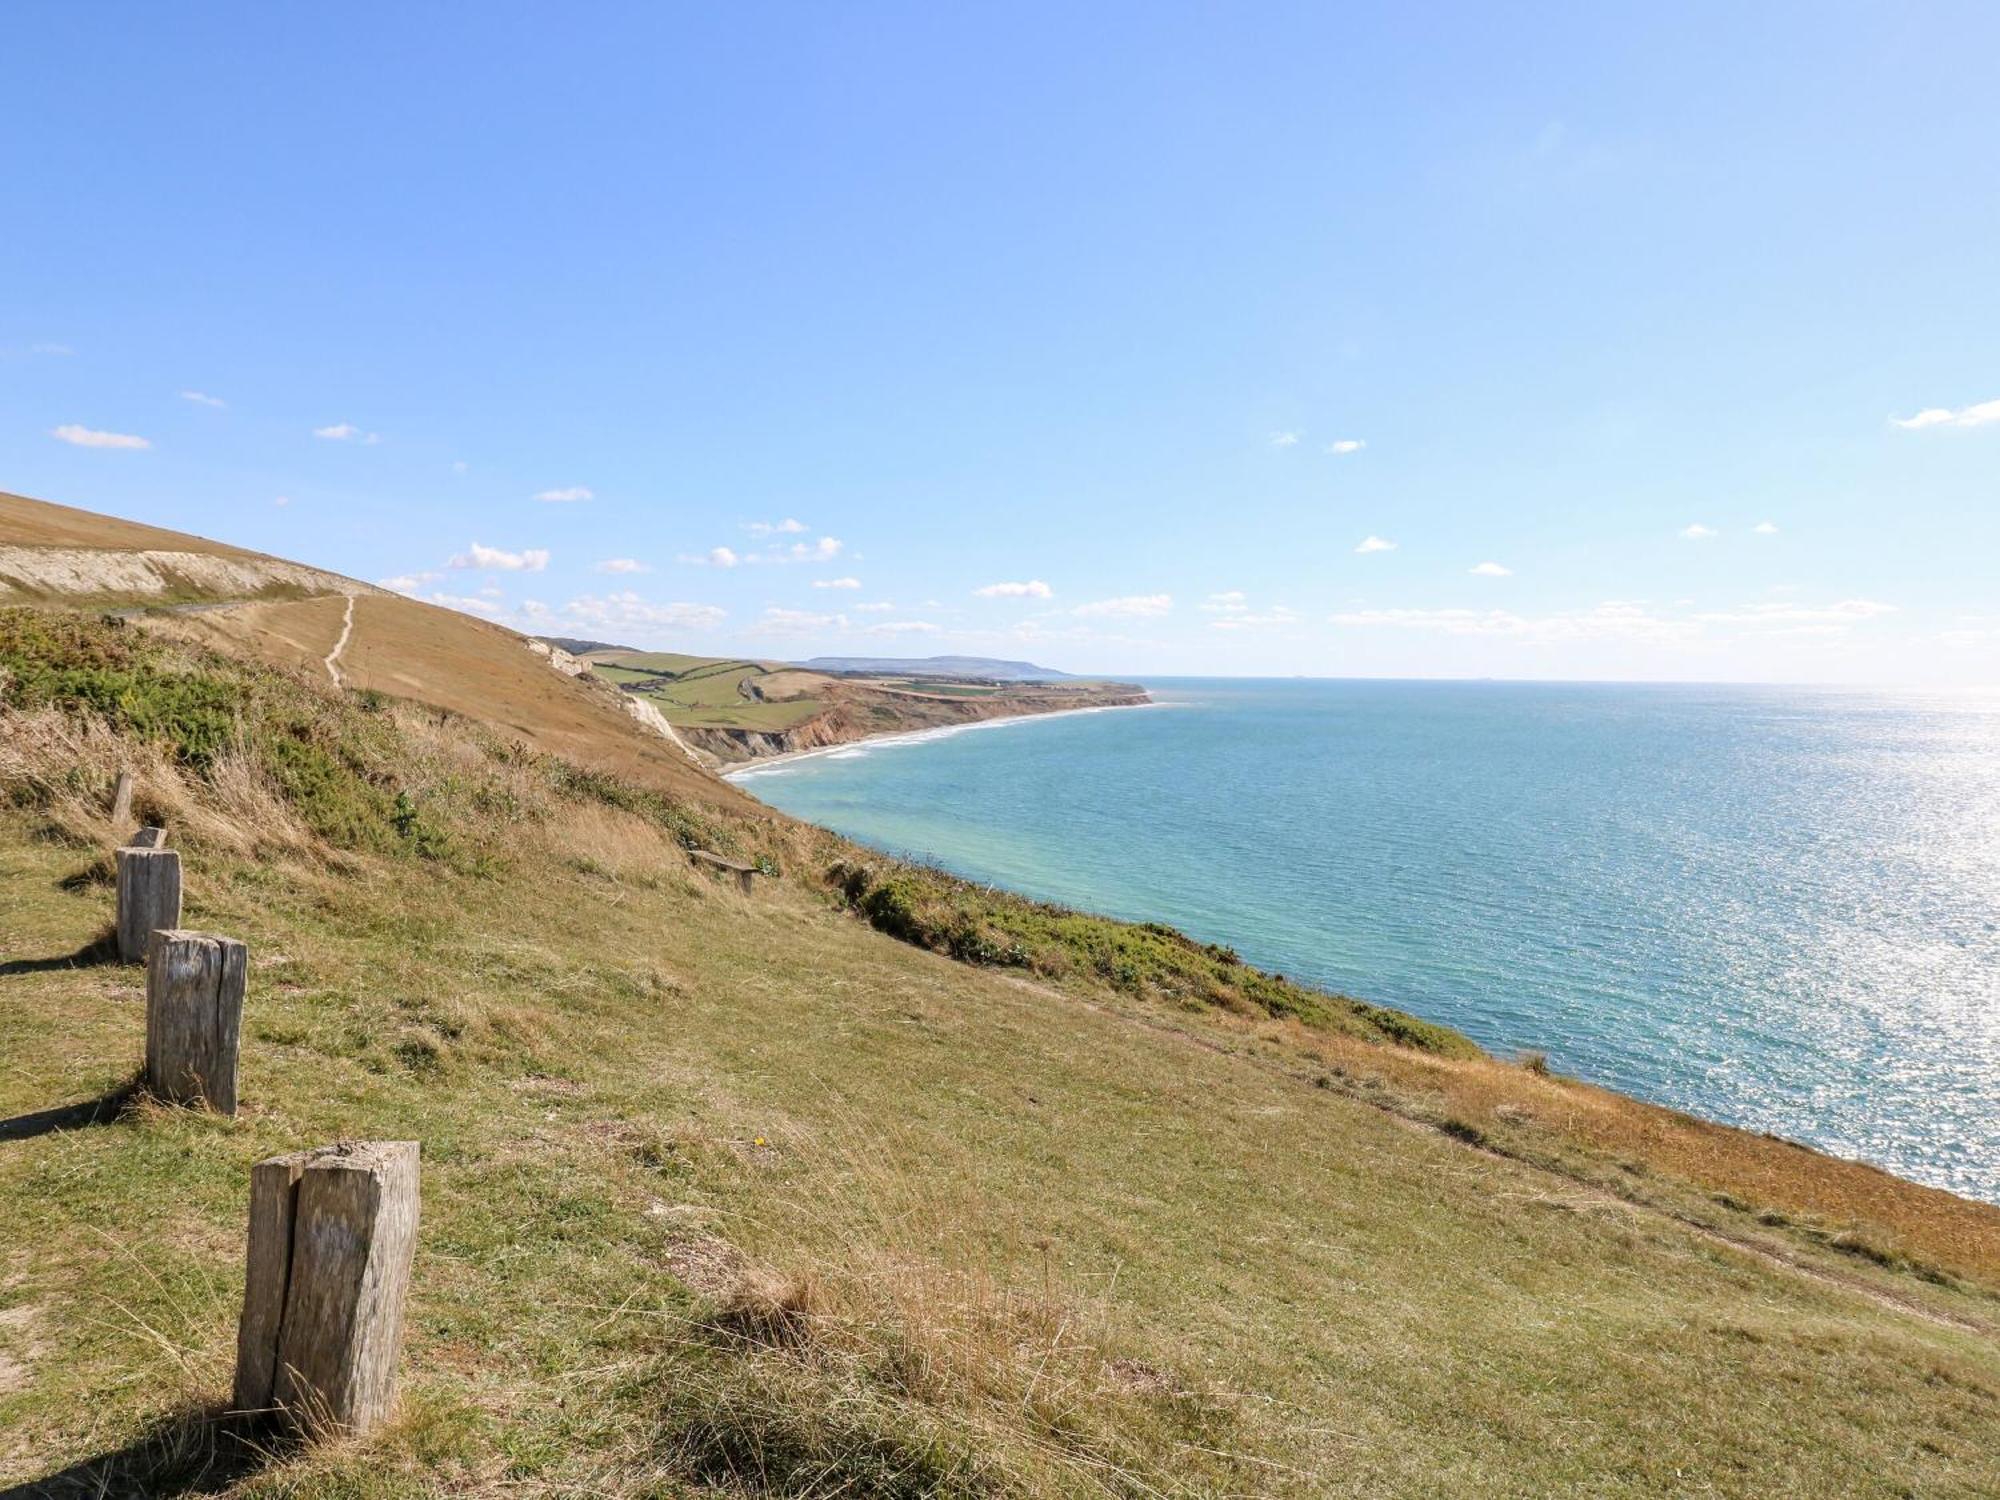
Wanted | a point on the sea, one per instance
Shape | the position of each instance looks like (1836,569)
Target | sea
(1774,907)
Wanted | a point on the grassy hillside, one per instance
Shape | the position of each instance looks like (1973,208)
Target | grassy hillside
(873,1182)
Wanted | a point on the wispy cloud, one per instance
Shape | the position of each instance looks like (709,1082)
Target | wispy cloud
(1128,607)
(202,398)
(627,608)
(717,557)
(786,527)
(826,549)
(568,496)
(836,583)
(91,437)
(1374,543)
(1227,602)
(1032,588)
(1979,415)
(623,565)
(877,607)
(902,627)
(281,500)
(1343,446)
(346,432)
(1284,439)
(1490,570)
(528,560)
(1698,532)
(488,608)
(779,621)
(1765,528)
(1617,619)
(1244,618)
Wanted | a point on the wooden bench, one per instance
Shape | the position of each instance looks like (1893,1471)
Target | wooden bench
(736,867)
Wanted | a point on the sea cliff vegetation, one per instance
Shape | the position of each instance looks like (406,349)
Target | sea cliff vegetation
(872,1182)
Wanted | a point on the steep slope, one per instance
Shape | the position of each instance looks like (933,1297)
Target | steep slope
(870,1182)
(363,637)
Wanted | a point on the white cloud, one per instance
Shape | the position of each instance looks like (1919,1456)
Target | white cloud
(1228,602)
(879,607)
(465,605)
(627,608)
(622,565)
(1766,528)
(1979,415)
(1376,544)
(776,621)
(459,466)
(1618,620)
(825,549)
(199,398)
(1251,619)
(529,560)
(786,527)
(1032,588)
(282,500)
(902,627)
(722,557)
(90,437)
(836,583)
(1284,439)
(1490,570)
(1791,616)
(568,496)
(1345,446)
(346,432)
(1698,532)
(1129,606)
(405,583)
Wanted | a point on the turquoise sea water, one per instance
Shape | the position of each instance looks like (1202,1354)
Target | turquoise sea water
(1774,907)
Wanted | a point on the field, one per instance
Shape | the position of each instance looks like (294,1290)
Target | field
(704,692)
(871,1182)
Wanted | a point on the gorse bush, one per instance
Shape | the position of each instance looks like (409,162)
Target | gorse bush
(980,925)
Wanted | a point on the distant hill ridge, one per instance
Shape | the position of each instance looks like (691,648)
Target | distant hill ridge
(939,666)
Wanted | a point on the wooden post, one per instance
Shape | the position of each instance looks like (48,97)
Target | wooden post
(147,838)
(149,897)
(332,1235)
(121,798)
(194,1017)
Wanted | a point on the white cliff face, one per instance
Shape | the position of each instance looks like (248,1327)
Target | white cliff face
(86,572)
(651,718)
(561,660)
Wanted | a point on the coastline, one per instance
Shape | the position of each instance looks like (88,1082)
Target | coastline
(916,736)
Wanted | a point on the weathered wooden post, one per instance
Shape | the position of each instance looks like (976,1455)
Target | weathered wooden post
(147,838)
(332,1234)
(149,897)
(121,798)
(194,1017)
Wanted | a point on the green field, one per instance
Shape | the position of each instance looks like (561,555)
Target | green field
(703,692)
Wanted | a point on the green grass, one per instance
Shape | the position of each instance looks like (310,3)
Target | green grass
(705,692)
(742,1196)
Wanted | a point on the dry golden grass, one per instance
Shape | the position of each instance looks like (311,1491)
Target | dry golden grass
(37,523)
(1519,1107)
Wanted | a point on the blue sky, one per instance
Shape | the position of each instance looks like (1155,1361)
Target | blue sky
(794,329)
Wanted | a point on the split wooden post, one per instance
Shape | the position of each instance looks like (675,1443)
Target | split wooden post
(194,1017)
(147,838)
(149,897)
(332,1234)
(121,798)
